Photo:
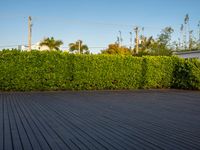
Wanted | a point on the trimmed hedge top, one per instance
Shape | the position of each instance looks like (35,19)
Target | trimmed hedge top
(44,70)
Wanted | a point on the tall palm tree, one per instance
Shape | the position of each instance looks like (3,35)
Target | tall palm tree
(79,47)
(51,43)
(182,36)
(187,28)
(146,43)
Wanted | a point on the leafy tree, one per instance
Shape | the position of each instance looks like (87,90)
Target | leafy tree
(191,40)
(51,43)
(176,45)
(79,47)
(146,43)
(157,47)
(116,50)
(161,46)
(165,37)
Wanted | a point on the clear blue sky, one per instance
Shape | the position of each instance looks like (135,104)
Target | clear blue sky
(96,22)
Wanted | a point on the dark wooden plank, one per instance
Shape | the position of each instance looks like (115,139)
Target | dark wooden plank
(21,127)
(1,122)
(73,125)
(29,138)
(104,134)
(109,131)
(110,120)
(46,125)
(31,127)
(16,138)
(180,143)
(66,133)
(8,139)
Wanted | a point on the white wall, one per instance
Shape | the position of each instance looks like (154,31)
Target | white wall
(192,54)
(34,47)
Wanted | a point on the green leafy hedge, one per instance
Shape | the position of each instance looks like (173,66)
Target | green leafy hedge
(35,70)
(106,72)
(186,74)
(158,71)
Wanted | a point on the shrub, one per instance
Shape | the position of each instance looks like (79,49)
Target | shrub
(186,74)
(36,70)
(107,72)
(158,71)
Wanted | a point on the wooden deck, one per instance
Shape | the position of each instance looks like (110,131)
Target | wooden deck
(118,120)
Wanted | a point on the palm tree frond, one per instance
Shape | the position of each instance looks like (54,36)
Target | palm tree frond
(78,45)
(51,43)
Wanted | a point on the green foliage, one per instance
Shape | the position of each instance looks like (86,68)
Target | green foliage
(51,43)
(107,72)
(45,70)
(158,71)
(33,70)
(186,74)
(156,47)
(79,47)
(146,43)
(165,36)
(116,49)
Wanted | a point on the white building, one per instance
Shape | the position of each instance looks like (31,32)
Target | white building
(189,54)
(34,47)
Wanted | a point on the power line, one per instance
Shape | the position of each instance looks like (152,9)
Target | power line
(87,22)
(82,22)
(8,46)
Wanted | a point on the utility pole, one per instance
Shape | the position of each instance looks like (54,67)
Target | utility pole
(79,46)
(131,40)
(120,38)
(29,32)
(137,39)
